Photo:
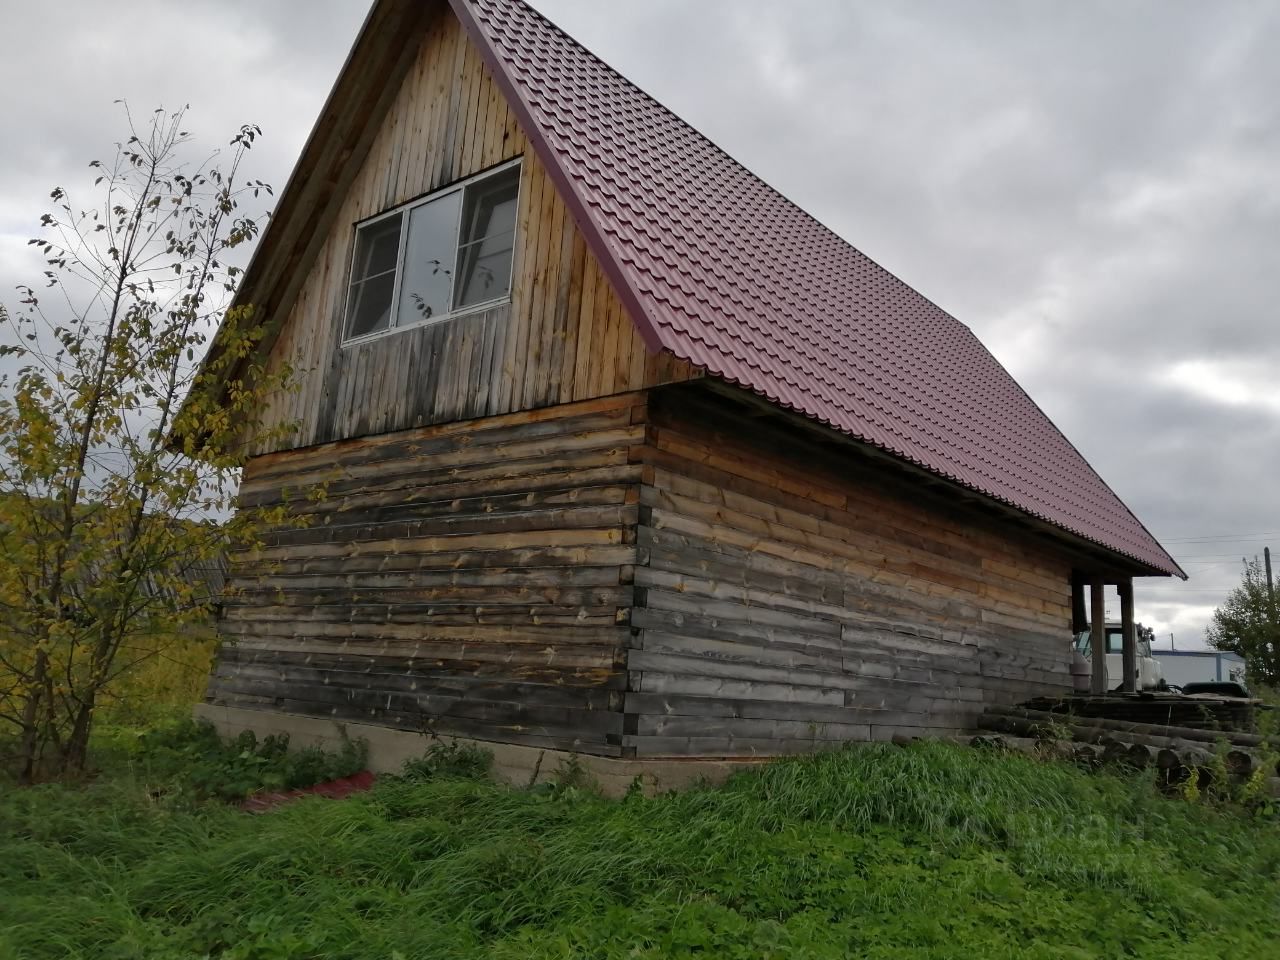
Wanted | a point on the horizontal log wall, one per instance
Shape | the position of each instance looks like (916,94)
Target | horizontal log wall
(639,575)
(472,579)
(789,598)
(563,336)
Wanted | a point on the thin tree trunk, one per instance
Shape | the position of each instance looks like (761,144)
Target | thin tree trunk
(76,751)
(29,751)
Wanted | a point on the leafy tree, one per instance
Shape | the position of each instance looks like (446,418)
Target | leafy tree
(108,480)
(1246,624)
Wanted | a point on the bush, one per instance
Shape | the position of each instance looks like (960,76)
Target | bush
(449,760)
(190,759)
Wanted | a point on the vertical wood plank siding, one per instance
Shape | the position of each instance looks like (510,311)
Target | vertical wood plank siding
(562,337)
(472,579)
(788,598)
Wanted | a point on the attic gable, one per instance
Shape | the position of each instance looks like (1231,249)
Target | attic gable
(563,335)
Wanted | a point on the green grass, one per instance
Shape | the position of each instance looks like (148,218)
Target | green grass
(187,760)
(879,852)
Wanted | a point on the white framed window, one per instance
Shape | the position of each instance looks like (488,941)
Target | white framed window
(434,258)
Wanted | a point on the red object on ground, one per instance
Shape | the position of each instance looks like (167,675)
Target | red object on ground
(725,272)
(333,789)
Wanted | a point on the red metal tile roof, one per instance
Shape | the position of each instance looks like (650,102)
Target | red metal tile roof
(725,272)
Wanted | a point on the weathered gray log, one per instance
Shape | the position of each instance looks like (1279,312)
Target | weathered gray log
(1198,758)
(1085,753)
(1113,751)
(1104,748)
(1084,732)
(1141,756)
(1241,763)
(1127,726)
(1174,767)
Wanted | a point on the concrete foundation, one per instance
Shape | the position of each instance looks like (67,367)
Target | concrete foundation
(518,766)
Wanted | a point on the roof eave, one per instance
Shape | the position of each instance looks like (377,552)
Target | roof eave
(1116,561)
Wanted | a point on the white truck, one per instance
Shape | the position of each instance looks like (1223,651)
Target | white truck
(1150,677)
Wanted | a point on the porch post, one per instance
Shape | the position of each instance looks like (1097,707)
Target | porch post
(1079,614)
(1130,636)
(1098,635)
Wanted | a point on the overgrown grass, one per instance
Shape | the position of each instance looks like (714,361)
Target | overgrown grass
(187,760)
(931,851)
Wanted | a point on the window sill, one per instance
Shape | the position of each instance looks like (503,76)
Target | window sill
(426,322)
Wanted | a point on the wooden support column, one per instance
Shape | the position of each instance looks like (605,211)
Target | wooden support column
(1130,636)
(1079,613)
(1098,635)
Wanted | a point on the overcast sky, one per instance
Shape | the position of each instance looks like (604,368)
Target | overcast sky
(1094,188)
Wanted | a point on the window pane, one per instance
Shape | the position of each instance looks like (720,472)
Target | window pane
(488,275)
(369,307)
(379,248)
(488,236)
(428,263)
(373,277)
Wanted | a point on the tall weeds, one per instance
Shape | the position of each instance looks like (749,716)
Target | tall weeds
(880,852)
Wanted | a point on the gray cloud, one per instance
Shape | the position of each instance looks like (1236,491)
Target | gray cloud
(1094,188)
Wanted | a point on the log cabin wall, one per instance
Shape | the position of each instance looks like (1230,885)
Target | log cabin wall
(648,574)
(506,551)
(564,335)
(789,597)
(472,579)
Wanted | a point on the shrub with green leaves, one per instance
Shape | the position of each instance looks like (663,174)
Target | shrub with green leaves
(189,759)
(118,450)
(446,759)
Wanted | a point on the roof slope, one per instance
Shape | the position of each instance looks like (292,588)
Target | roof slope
(725,272)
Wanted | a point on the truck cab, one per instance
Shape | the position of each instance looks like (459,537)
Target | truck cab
(1149,676)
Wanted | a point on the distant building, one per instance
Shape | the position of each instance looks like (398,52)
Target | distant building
(1190,666)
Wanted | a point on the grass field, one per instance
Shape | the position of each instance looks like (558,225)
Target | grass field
(931,851)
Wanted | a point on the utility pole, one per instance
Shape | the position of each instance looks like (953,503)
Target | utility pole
(1271,590)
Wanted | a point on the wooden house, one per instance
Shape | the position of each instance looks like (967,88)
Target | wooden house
(624,453)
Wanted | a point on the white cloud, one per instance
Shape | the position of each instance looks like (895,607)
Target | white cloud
(1233,383)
